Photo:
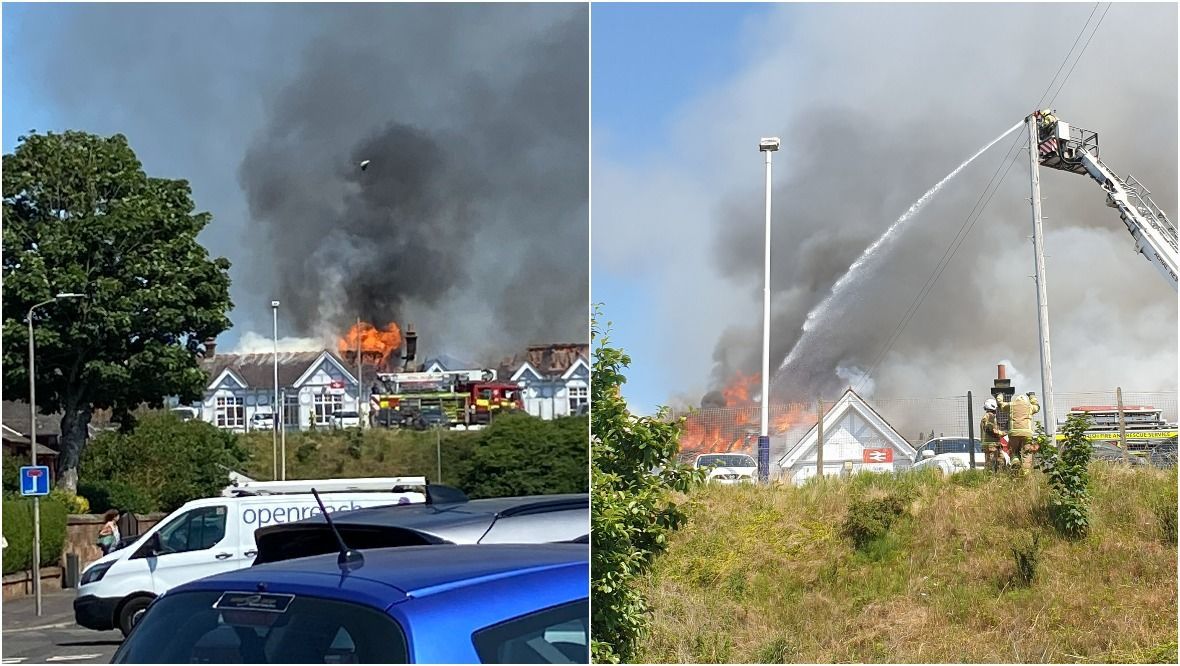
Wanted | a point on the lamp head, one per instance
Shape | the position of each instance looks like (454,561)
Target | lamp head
(769,144)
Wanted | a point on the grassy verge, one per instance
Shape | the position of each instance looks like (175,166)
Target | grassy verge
(966,569)
(363,453)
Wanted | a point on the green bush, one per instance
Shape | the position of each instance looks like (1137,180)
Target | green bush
(521,454)
(1067,467)
(119,495)
(161,464)
(633,508)
(12,465)
(18,530)
(869,520)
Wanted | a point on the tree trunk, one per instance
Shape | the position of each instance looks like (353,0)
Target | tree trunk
(74,431)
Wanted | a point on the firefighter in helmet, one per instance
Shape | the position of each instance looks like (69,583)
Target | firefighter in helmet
(990,431)
(1047,121)
(1020,429)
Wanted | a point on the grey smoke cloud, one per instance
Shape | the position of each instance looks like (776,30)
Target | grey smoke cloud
(470,221)
(875,104)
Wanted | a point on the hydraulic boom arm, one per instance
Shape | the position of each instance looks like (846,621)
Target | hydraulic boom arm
(1076,150)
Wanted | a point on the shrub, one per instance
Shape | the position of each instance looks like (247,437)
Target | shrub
(118,495)
(633,512)
(869,520)
(168,460)
(12,465)
(1026,556)
(72,502)
(18,530)
(521,454)
(1067,467)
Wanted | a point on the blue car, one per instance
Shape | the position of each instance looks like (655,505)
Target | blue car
(454,604)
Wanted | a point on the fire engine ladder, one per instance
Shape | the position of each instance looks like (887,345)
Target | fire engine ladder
(1154,233)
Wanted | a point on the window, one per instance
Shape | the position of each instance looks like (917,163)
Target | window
(291,410)
(187,628)
(231,412)
(557,635)
(199,529)
(324,405)
(579,398)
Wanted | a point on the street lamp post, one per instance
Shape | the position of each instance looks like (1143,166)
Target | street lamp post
(33,448)
(768,146)
(274,307)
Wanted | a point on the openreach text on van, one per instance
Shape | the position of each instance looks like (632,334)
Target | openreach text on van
(263,516)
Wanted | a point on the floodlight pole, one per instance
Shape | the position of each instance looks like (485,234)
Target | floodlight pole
(767,146)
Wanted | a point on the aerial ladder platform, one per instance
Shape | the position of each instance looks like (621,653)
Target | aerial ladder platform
(1067,148)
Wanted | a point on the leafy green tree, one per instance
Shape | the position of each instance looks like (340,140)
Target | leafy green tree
(162,463)
(633,508)
(80,215)
(520,454)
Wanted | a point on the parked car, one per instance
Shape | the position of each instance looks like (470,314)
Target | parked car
(262,421)
(428,604)
(446,518)
(201,538)
(728,468)
(1163,455)
(344,419)
(956,446)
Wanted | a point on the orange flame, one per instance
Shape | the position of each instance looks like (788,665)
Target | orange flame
(374,342)
(735,427)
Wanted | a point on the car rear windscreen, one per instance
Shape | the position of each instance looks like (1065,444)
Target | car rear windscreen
(246,627)
(278,544)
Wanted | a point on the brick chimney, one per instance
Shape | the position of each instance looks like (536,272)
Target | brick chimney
(210,347)
(1002,386)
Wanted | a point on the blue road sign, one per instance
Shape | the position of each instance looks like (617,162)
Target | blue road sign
(34,481)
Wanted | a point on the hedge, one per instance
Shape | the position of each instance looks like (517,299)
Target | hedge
(18,530)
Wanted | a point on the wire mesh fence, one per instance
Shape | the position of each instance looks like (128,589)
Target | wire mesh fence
(916,421)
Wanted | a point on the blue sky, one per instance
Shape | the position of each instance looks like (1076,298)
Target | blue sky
(648,62)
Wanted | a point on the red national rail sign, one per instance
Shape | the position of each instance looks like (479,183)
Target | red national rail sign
(878,455)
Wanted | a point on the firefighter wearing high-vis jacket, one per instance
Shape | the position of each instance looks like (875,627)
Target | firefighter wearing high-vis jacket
(1020,429)
(990,432)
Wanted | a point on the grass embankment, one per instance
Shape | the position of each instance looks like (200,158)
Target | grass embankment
(772,575)
(324,454)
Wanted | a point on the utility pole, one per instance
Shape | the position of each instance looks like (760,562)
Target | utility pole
(819,447)
(1118,392)
(768,146)
(1048,414)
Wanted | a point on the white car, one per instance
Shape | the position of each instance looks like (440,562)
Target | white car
(344,419)
(955,447)
(951,463)
(262,421)
(728,468)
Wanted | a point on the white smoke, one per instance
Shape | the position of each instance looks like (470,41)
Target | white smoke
(253,343)
(854,376)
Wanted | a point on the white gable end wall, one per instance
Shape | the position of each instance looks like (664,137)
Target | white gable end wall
(851,427)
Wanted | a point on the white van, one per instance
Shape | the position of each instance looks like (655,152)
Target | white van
(214,535)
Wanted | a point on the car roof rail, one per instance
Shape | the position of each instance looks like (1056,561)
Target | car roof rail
(546,506)
(384,484)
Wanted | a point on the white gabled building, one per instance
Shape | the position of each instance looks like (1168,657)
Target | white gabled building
(854,433)
(312,385)
(555,379)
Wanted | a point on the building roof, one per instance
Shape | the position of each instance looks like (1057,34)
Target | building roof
(549,361)
(16,418)
(850,402)
(257,370)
